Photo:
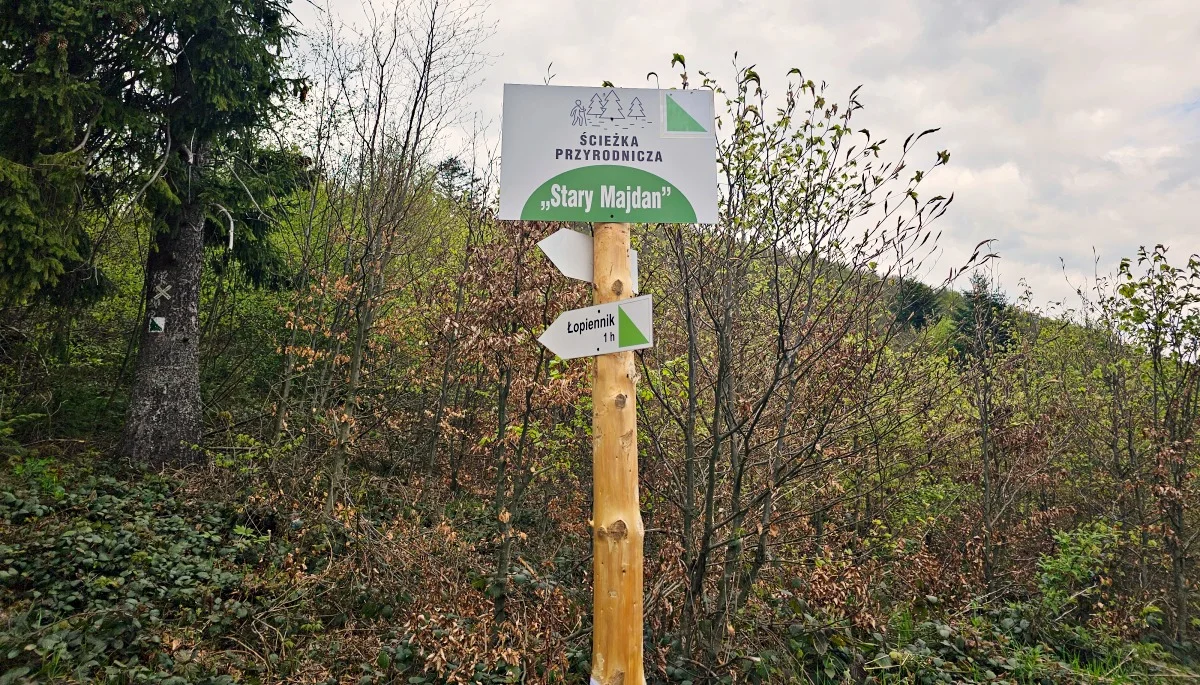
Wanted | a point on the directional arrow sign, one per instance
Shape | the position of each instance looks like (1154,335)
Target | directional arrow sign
(602,329)
(571,252)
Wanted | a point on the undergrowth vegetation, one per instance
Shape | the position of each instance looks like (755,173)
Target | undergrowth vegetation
(146,578)
(183,578)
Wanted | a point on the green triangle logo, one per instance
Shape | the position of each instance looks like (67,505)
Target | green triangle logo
(627,333)
(679,120)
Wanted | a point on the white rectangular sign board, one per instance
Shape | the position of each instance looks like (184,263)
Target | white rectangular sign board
(635,155)
(602,329)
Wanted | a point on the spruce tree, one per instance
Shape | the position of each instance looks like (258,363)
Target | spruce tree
(982,320)
(138,101)
(916,304)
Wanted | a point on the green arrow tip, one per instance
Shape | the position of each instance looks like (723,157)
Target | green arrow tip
(628,334)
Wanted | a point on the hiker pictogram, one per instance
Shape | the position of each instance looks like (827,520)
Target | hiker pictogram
(578,114)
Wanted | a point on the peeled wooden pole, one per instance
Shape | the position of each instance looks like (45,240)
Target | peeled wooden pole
(617,530)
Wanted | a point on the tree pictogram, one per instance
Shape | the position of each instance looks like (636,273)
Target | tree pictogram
(635,109)
(596,106)
(612,106)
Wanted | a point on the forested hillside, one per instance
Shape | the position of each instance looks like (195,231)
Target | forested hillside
(272,407)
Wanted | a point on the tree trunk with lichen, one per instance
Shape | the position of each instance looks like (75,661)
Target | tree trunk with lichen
(616,517)
(164,421)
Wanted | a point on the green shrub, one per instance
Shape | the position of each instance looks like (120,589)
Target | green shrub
(8,428)
(39,471)
(1071,579)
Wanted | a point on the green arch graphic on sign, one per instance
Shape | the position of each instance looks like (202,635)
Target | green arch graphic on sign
(607,192)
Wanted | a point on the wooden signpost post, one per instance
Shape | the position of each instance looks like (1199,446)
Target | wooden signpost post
(617,531)
(606,162)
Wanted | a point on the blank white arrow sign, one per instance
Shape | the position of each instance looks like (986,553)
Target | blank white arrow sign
(571,252)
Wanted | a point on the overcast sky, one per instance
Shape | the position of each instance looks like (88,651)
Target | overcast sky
(1072,126)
